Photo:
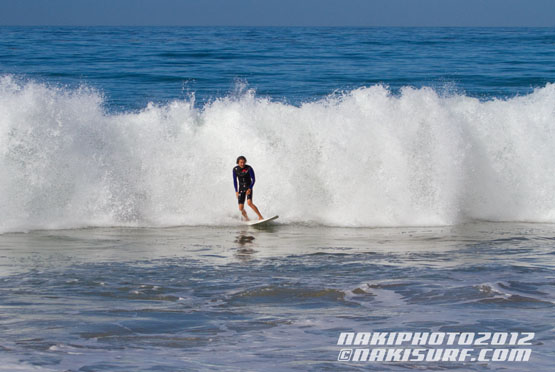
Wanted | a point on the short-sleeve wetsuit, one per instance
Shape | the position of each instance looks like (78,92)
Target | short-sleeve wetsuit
(246,179)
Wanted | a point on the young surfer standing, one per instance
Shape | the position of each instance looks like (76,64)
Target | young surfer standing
(244,174)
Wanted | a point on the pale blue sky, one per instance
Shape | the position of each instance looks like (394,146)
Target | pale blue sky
(280,12)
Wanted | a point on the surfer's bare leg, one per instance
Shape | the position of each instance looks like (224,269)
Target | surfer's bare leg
(243,211)
(251,204)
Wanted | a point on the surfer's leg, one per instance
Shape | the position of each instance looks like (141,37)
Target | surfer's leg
(243,211)
(251,204)
(241,199)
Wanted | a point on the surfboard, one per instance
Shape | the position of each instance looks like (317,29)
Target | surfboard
(261,222)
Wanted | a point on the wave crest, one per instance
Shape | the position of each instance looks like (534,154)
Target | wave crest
(362,158)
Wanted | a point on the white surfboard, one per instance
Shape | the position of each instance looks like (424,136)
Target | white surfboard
(261,222)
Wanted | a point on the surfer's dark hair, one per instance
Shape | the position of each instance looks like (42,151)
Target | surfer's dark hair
(241,157)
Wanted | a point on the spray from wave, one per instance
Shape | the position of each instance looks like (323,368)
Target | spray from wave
(363,158)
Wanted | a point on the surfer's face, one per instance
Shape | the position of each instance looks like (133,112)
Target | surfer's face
(241,163)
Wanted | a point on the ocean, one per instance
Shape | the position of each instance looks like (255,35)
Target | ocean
(412,170)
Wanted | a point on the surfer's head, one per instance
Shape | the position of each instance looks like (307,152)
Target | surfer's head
(241,161)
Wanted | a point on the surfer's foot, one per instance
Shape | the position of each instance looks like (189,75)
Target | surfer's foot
(244,215)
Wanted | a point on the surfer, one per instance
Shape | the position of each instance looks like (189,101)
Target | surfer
(245,175)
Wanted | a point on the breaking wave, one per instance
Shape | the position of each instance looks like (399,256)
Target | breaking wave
(362,158)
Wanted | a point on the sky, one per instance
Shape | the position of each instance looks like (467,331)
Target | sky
(487,13)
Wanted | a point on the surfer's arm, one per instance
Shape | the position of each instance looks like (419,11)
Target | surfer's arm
(251,173)
(235,180)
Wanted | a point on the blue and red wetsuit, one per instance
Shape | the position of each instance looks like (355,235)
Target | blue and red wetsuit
(246,179)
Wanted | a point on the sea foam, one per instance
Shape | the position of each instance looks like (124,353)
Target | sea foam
(366,157)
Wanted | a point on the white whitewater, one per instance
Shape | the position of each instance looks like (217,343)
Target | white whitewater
(363,158)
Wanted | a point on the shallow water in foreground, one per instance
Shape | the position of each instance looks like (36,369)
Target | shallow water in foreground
(202,298)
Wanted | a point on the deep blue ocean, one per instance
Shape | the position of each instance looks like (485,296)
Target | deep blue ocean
(412,169)
(131,66)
